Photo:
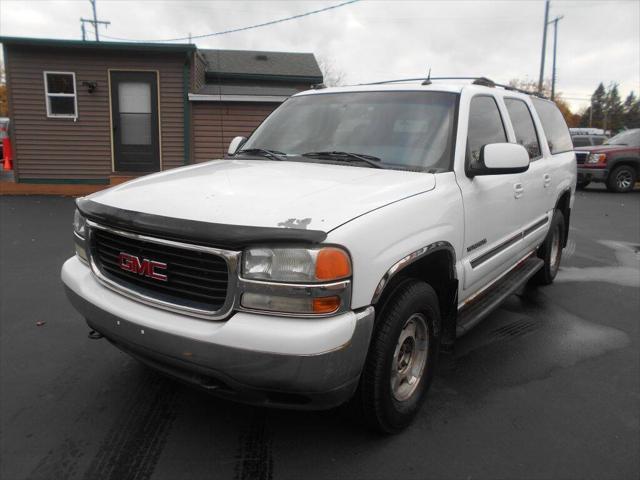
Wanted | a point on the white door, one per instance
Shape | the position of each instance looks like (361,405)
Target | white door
(492,203)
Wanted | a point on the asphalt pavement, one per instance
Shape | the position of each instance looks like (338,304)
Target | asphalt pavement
(548,387)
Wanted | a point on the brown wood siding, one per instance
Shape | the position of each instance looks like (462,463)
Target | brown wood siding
(216,123)
(60,148)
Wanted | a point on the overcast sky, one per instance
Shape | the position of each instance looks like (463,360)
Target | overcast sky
(376,39)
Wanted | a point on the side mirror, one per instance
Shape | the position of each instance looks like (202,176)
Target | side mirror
(235,145)
(500,158)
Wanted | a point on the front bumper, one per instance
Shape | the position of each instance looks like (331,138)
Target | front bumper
(592,174)
(260,359)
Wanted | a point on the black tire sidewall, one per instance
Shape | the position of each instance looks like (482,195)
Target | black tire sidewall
(611,181)
(411,297)
(545,275)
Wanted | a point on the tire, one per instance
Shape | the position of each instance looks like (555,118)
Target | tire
(582,185)
(622,179)
(551,251)
(393,358)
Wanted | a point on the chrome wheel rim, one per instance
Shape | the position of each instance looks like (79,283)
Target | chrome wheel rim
(410,357)
(624,179)
(554,258)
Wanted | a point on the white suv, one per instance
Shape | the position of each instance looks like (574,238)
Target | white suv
(356,233)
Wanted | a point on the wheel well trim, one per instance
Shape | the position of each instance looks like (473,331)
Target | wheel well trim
(411,258)
(630,161)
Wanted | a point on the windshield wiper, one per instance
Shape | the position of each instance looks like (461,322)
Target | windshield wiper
(263,152)
(360,157)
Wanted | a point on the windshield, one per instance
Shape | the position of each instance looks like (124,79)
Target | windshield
(629,137)
(405,130)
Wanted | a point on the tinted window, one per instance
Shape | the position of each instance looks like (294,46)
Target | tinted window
(598,140)
(485,126)
(523,126)
(554,126)
(406,130)
(581,141)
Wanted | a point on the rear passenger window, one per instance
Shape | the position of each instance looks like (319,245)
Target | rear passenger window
(554,126)
(485,126)
(523,126)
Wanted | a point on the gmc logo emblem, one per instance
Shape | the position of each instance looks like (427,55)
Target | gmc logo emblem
(144,267)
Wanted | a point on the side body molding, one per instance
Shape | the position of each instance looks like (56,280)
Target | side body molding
(411,258)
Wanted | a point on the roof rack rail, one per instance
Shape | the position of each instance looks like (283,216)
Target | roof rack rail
(483,81)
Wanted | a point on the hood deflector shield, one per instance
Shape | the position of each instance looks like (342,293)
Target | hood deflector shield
(211,234)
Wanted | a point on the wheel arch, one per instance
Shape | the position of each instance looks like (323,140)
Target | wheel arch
(436,265)
(629,161)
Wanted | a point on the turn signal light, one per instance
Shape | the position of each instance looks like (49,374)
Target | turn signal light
(332,263)
(326,304)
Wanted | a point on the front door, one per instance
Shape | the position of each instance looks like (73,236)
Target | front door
(493,204)
(134,118)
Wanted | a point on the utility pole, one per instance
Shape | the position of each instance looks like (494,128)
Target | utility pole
(95,22)
(544,44)
(555,44)
(84,32)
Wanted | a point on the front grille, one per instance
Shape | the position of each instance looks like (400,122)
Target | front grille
(581,157)
(195,279)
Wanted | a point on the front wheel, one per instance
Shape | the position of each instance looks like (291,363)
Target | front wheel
(401,360)
(551,250)
(622,179)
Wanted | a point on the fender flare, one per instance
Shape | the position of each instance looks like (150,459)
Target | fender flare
(410,259)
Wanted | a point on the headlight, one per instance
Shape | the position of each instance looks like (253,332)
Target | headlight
(596,158)
(79,224)
(296,281)
(296,265)
(79,239)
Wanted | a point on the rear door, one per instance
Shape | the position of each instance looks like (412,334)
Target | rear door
(134,118)
(538,178)
(492,203)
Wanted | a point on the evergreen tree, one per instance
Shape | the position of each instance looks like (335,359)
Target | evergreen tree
(614,111)
(598,101)
(632,111)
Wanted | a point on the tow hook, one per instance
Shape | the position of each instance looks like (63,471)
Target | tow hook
(93,335)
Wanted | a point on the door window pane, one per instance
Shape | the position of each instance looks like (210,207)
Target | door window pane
(134,97)
(136,128)
(523,126)
(485,126)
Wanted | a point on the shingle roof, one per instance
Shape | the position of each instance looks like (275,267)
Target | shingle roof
(251,63)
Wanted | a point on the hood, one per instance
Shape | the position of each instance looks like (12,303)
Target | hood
(266,193)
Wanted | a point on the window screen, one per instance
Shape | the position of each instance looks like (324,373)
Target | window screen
(485,126)
(554,126)
(523,126)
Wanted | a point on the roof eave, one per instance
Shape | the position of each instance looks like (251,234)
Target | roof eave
(47,42)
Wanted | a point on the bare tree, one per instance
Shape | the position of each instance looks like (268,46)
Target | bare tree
(333,75)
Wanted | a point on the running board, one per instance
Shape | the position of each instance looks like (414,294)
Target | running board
(471,314)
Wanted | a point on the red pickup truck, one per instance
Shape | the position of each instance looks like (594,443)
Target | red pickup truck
(616,162)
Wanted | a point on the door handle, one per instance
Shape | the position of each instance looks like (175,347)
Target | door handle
(547,180)
(518,190)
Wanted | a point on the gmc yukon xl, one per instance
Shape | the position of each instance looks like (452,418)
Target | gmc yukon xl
(335,252)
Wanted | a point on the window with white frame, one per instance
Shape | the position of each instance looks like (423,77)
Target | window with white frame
(60,92)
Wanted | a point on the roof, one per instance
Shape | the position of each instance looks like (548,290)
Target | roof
(51,42)
(254,64)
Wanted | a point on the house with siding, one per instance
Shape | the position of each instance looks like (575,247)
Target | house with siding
(87,112)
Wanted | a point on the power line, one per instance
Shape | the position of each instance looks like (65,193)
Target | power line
(95,23)
(234,30)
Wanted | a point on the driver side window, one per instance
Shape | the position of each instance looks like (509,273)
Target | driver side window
(485,126)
